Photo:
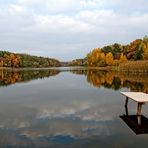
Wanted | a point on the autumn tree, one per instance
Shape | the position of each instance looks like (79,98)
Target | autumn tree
(123,58)
(109,59)
(8,59)
(145,48)
(1,62)
(102,59)
(93,57)
(96,58)
(134,50)
(116,50)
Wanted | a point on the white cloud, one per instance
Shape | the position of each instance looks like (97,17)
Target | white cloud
(58,28)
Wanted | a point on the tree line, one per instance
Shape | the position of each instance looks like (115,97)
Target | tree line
(116,54)
(8,59)
(110,55)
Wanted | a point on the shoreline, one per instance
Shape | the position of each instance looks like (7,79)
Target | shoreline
(118,69)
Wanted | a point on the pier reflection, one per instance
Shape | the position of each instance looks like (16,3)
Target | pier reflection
(137,123)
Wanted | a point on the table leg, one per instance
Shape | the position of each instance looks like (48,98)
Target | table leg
(126,110)
(139,108)
(139,119)
(126,102)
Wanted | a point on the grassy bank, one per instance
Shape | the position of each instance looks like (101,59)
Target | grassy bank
(135,67)
(132,67)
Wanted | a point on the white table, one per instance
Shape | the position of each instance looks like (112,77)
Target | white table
(139,97)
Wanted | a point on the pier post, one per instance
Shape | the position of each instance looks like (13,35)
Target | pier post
(139,108)
(126,102)
(126,110)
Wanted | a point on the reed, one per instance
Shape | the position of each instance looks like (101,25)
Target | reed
(135,67)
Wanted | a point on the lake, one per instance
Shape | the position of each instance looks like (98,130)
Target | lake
(70,108)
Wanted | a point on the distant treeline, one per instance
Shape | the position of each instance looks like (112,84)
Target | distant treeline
(8,59)
(78,62)
(110,55)
(115,55)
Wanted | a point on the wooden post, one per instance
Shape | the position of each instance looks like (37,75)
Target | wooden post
(139,108)
(126,110)
(139,119)
(126,102)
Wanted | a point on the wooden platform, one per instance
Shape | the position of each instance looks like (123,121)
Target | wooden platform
(136,96)
(140,97)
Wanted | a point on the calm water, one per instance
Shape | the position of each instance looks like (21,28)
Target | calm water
(73,108)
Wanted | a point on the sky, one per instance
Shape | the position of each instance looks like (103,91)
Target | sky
(69,29)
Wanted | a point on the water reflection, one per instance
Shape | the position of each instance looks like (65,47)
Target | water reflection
(111,80)
(65,110)
(10,76)
(114,80)
(138,123)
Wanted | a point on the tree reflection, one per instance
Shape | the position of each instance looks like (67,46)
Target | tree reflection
(8,77)
(116,81)
(103,78)
(110,80)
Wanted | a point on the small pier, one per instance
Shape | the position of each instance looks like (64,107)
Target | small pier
(139,97)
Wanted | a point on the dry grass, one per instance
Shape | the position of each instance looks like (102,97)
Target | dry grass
(135,67)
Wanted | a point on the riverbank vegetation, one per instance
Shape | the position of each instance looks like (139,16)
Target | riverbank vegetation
(134,67)
(117,54)
(8,59)
(127,58)
(78,62)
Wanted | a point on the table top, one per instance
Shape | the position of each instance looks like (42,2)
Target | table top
(136,96)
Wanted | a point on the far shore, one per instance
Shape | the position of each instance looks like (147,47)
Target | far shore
(130,67)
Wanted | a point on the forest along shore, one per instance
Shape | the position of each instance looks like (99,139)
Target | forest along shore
(131,58)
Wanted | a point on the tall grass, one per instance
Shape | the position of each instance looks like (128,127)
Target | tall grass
(135,67)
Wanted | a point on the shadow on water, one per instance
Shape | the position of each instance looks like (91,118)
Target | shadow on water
(137,123)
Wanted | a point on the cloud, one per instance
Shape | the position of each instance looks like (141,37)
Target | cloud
(68,29)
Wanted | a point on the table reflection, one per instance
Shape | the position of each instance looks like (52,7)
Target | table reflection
(137,123)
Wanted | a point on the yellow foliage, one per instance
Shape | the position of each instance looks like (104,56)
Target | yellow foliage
(123,58)
(109,59)
(12,56)
(145,49)
(102,56)
(116,62)
(94,57)
(1,63)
